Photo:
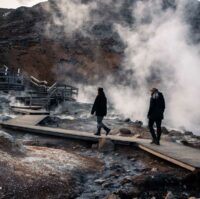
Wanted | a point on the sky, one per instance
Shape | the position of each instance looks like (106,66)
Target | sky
(18,3)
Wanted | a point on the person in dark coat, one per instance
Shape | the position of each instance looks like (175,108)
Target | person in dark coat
(100,109)
(156,114)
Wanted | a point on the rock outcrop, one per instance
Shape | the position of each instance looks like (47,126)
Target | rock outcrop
(8,144)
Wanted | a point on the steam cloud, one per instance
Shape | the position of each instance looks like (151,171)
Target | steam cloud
(71,17)
(159,53)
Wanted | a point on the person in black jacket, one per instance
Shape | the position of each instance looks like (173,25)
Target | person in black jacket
(100,108)
(155,114)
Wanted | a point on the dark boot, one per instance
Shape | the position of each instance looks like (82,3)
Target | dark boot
(107,130)
(98,133)
(153,142)
(157,142)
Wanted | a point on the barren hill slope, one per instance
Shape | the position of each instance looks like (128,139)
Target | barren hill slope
(71,39)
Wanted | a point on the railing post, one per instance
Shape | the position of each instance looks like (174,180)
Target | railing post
(30,103)
(65,91)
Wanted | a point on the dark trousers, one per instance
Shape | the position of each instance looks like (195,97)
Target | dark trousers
(100,124)
(156,137)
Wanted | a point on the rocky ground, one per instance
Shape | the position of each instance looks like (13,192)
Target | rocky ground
(34,166)
(41,172)
(48,167)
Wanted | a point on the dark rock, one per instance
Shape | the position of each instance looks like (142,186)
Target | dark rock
(185,142)
(7,143)
(133,156)
(192,179)
(127,120)
(124,131)
(138,123)
(165,130)
(154,181)
(128,192)
(188,133)
(115,166)
(175,133)
(126,180)
(195,137)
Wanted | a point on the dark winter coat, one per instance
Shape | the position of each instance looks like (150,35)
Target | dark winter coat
(100,106)
(157,106)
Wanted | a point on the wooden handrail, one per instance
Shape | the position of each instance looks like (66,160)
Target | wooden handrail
(44,82)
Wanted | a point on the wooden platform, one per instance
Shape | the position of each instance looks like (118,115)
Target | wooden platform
(30,111)
(27,107)
(26,120)
(183,156)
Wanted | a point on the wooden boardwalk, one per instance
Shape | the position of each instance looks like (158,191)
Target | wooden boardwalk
(186,157)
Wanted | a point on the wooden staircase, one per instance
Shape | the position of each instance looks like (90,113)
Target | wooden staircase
(39,94)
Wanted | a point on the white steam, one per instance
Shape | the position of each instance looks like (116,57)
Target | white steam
(71,17)
(159,53)
(158,48)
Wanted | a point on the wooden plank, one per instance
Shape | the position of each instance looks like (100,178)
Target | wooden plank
(51,131)
(167,158)
(26,120)
(178,154)
(30,111)
(183,156)
(27,107)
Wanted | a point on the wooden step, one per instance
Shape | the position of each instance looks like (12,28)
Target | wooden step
(27,107)
(30,111)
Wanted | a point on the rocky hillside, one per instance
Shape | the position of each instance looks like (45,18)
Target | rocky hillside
(49,42)
(23,43)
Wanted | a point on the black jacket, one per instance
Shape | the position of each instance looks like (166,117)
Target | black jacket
(100,106)
(157,106)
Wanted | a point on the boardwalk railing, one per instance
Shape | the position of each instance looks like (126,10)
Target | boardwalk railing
(45,96)
(11,82)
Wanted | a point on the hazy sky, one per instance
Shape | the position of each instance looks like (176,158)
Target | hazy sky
(18,3)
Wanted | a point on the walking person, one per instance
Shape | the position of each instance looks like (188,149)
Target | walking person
(100,109)
(156,114)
